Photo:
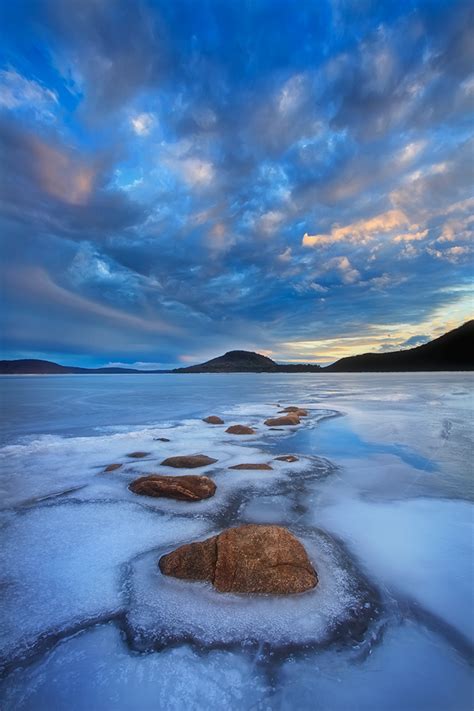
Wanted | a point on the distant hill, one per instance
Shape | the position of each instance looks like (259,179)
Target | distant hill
(453,351)
(245,362)
(46,367)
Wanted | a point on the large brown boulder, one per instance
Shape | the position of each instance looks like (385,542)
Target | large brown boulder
(188,461)
(183,488)
(298,411)
(257,467)
(283,421)
(247,559)
(240,430)
(213,420)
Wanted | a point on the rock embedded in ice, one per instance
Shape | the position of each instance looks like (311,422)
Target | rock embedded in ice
(291,419)
(188,461)
(213,420)
(246,559)
(287,458)
(183,488)
(161,607)
(240,430)
(298,411)
(112,467)
(138,455)
(257,467)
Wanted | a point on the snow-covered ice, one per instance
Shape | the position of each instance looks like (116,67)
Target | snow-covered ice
(381,497)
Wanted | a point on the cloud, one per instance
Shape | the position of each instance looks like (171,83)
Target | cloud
(143,123)
(362,230)
(165,164)
(19,93)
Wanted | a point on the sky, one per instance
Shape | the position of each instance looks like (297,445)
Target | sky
(184,178)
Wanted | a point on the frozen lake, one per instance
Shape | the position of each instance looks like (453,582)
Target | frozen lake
(381,497)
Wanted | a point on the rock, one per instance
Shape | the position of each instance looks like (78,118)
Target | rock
(193,561)
(240,430)
(183,488)
(161,439)
(287,458)
(262,467)
(281,421)
(138,455)
(213,420)
(298,411)
(188,461)
(246,559)
(112,467)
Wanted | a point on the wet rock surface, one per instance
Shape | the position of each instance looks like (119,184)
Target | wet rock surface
(287,458)
(285,420)
(213,420)
(240,430)
(182,488)
(138,455)
(188,461)
(246,559)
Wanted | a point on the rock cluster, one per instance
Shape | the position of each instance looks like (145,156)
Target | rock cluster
(262,559)
(246,559)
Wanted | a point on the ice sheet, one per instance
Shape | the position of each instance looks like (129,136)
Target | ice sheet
(94,671)
(61,565)
(410,670)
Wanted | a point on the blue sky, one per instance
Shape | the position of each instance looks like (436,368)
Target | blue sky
(183,178)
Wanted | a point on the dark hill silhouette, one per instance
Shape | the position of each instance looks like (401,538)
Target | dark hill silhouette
(453,351)
(245,362)
(231,362)
(46,367)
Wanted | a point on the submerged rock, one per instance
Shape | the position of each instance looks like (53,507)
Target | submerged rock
(161,439)
(287,458)
(281,421)
(138,455)
(240,430)
(213,420)
(188,461)
(112,467)
(247,559)
(183,488)
(262,467)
